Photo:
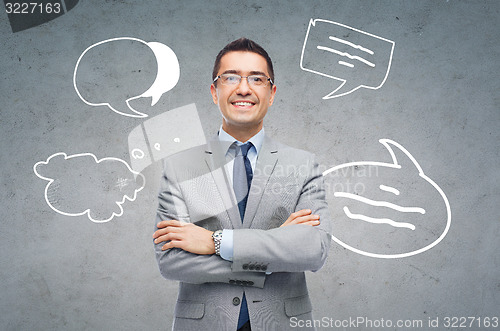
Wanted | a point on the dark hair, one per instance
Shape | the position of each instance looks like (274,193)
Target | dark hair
(243,45)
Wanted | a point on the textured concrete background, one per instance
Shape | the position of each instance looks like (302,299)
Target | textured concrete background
(440,101)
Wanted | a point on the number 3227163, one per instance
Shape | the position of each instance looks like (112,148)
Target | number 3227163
(33,8)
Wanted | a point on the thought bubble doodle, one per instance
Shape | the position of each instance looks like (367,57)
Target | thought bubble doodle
(81,184)
(116,71)
(386,210)
(337,51)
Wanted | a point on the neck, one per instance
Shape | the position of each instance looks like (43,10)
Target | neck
(242,134)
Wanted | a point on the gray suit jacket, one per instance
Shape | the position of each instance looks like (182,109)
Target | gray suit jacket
(195,188)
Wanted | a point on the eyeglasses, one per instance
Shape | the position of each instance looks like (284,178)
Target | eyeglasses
(252,80)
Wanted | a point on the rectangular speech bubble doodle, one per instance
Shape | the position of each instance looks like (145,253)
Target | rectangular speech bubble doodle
(337,51)
(164,135)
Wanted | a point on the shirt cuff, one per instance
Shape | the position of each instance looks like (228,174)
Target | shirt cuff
(226,245)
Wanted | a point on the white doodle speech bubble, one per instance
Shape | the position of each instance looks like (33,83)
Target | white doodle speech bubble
(81,184)
(386,210)
(337,51)
(167,75)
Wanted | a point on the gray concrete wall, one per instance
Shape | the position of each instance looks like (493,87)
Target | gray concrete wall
(440,101)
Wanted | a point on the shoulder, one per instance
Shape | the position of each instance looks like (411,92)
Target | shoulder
(186,156)
(198,159)
(285,151)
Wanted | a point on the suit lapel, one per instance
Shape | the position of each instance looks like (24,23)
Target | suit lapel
(266,162)
(215,159)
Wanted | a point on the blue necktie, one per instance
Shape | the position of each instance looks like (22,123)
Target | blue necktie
(242,178)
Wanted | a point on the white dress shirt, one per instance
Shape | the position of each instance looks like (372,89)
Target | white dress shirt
(226,246)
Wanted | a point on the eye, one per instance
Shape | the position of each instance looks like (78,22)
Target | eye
(230,79)
(257,80)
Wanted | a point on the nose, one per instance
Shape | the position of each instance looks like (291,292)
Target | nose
(243,87)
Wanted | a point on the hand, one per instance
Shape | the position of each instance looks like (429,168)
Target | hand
(303,216)
(186,236)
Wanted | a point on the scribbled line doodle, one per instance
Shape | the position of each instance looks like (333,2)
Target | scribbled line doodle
(337,51)
(386,210)
(116,71)
(81,184)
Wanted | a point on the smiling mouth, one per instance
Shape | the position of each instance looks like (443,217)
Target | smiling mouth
(243,104)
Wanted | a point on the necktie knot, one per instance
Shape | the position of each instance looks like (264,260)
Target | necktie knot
(243,149)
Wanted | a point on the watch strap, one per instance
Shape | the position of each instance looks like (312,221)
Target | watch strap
(217,237)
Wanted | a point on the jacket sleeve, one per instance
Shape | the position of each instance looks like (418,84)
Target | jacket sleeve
(291,248)
(177,264)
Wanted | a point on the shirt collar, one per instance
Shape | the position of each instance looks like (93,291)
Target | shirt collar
(256,140)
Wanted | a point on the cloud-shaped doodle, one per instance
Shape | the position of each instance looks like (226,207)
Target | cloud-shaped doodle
(81,184)
(386,210)
(337,51)
(116,71)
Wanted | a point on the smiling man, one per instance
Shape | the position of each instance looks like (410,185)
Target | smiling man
(241,219)
(243,102)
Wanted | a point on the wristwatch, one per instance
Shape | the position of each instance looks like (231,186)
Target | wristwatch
(217,237)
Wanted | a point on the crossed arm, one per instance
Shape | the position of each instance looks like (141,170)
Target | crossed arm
(185,251)
(197,240)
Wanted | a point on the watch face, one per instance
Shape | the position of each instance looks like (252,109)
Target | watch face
(217,235)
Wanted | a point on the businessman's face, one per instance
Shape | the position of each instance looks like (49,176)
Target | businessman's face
(243,105)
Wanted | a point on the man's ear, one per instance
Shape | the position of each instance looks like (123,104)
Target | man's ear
(213,90)
(273,93)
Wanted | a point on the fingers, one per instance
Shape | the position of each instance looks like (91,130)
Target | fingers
(162,232)
(302,216)
(168,233)
(174,230)
(168,237)
(306,219)
(296,214)
(162,227)
(171,244)
(302,212)
(164,224)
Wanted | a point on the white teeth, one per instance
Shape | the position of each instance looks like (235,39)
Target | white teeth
(243,104)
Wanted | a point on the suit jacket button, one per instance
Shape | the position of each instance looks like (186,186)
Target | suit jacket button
(236,301)
(245,266)
(232,281)
(251,267)
(257,267)
(238,282)
(250,283)
(244,283)
(264,268)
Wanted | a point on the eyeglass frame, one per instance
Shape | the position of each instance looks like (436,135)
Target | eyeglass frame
(241,77)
